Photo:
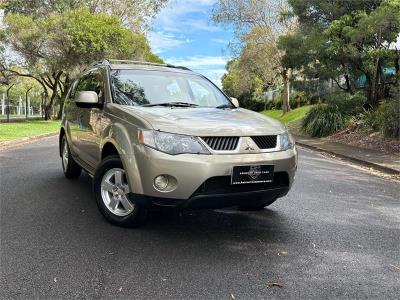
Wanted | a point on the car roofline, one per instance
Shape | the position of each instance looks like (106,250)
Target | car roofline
(131,64)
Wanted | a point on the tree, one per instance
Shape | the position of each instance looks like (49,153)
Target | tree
(132,14)
(258,24)
(53,49)
(345,39)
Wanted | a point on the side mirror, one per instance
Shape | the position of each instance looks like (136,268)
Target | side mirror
(235,101)
(87,99)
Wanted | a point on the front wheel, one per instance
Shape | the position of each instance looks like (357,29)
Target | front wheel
(113,196)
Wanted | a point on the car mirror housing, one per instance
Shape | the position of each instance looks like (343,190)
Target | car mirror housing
(87,98)
(235,101)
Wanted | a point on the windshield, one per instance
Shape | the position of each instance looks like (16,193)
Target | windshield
(150,88)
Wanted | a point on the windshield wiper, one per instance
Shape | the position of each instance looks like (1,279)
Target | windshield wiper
(225,106)
(172,104)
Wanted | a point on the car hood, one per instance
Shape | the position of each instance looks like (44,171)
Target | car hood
(207,121)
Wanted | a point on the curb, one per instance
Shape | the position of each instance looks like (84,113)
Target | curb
(351,159)
(15,143)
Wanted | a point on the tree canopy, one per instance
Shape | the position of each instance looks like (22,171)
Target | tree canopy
(52,45)
(344,40)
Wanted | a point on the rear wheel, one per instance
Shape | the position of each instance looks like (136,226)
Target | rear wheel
(70,167)
(113,196)
(259,205)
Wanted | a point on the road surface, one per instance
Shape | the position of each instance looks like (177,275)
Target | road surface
(336,235)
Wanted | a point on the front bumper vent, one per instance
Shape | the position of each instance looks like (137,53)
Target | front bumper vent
(221,143)
(265,141)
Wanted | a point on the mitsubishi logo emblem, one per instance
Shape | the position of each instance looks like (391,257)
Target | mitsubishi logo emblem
(248,147)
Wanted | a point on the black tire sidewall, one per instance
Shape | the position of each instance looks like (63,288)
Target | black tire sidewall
(135,218)
(73,170)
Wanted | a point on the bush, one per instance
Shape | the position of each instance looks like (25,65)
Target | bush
(388,113)
(323,120)
(249,103)
(297,97)
(348,104)
(386,118)
(369,120)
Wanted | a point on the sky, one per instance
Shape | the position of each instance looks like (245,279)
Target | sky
(184,34)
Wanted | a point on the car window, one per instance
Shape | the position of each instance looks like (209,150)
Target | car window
(138,87)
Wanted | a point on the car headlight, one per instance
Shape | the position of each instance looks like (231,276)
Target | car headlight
(286,141)
(171,143)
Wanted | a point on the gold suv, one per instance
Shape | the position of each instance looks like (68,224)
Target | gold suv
(160,135)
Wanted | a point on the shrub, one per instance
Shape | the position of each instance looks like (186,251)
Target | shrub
(388,113)
(386,118)
(369,120)
(348,104)
(298,97)
(323,120)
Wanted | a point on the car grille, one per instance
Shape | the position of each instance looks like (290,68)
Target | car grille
(221,143)
(265,141)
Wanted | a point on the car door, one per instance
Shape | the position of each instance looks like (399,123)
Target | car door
(86,128)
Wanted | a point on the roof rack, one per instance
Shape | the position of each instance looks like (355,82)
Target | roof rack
(135,62)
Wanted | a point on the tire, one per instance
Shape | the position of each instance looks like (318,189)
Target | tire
(70,167)
(258,206)
(113,196)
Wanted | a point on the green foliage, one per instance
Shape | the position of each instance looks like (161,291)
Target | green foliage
(344,39)
(59,45)
(323,120)
(389,118)
(299,98)
(347,104)
(369,120)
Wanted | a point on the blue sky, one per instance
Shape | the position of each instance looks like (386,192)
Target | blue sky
(183,34)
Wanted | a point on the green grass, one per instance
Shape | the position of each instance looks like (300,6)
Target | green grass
(20,130)
(294,116)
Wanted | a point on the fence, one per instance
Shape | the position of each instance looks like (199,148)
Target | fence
(23,109)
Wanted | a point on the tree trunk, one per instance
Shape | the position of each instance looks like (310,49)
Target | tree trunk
(374,88)
(64,93)
(285,92)
(348,84)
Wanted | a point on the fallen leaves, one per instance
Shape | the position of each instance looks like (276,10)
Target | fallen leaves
(274,284)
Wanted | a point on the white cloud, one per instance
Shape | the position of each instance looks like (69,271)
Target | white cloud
(175,17)
(219,41)
(199,62)
(213,67)
(161,41)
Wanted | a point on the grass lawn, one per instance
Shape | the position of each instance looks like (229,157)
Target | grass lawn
(23,129)
(294,116)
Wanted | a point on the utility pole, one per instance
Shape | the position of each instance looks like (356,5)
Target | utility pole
(26,103)
(8,102)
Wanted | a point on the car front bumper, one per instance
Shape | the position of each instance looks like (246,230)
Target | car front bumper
(195,173)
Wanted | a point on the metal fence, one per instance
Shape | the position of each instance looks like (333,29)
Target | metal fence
(23,109)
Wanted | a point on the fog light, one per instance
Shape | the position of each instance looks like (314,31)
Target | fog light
(161,182)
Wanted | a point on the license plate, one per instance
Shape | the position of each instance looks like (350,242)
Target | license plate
(252,174)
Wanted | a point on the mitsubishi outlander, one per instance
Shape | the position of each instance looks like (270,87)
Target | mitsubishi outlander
(161,135)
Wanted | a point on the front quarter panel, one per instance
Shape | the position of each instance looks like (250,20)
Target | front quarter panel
(121,129)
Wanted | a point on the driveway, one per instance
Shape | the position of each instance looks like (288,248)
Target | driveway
(336,235)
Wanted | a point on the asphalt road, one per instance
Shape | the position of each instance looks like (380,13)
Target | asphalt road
(336,235)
